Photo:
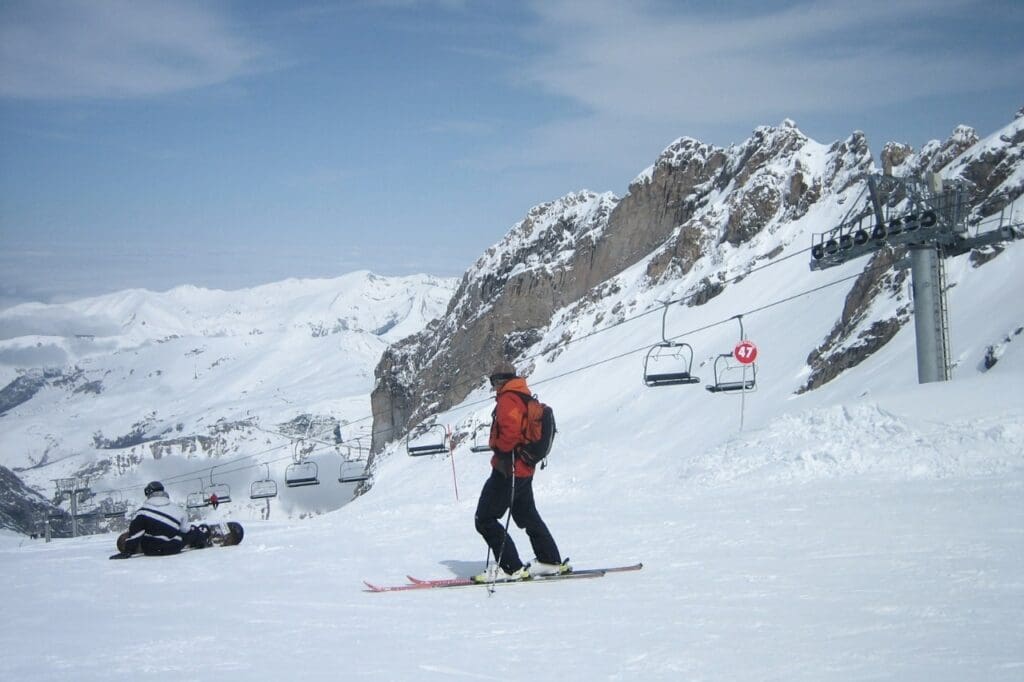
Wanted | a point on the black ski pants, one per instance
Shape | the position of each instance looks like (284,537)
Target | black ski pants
(495,497)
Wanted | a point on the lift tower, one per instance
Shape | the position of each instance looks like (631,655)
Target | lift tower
(73,488)
(932,224)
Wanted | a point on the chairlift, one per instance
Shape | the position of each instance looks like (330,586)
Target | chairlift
(669,363)
(353,476)
(425,447)
(264,488)
(116,508)
(353,471)
(732,376)
(198,499)
(361,451)
(479,446)
(219,491)
(301,474)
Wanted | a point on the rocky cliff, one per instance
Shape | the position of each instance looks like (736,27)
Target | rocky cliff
(24,510)
(697,204)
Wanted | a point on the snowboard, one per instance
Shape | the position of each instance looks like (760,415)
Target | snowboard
(222,534)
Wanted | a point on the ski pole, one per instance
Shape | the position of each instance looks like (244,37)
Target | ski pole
(451,452)
(508,518)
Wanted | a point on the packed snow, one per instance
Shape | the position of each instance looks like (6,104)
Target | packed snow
(871,529)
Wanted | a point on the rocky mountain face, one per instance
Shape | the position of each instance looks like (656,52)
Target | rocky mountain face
(498,309)
(694,204)
(23,509)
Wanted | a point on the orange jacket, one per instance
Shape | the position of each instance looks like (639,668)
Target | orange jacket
(507,427)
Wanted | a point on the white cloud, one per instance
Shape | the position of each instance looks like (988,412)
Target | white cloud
(638,74)
(619,60)
(115,48)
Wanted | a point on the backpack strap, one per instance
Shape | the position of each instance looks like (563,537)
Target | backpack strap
(526,398)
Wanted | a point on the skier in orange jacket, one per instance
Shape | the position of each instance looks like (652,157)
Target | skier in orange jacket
(503,489)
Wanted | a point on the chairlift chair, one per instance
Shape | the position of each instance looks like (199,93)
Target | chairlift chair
(478,446)
(301,474)
(116,509)
(432,447)
(353,471)
(197,500)
(264,488)
(222,491)
(732,377)
(669,363)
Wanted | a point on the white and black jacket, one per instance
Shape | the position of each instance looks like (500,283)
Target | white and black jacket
(158,526)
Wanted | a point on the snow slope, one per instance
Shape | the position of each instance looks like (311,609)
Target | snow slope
(871,529)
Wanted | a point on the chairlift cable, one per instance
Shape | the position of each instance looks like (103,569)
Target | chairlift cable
(563,344)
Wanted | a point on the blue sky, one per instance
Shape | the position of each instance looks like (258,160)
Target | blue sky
(232,143)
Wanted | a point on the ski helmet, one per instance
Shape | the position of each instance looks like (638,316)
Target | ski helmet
(153,487)
(502,372)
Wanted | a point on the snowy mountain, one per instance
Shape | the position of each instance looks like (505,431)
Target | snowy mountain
(838,522)
(132,386)
(698,221)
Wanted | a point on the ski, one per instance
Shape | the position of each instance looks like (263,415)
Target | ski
(576,571)
(467,582)
(420,584)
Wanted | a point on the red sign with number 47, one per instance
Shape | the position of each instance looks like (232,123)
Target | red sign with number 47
(745,352)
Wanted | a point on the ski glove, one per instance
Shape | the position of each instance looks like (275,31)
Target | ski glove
(505,462)
(526,457)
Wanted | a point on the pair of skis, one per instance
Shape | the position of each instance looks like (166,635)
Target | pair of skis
(576,574)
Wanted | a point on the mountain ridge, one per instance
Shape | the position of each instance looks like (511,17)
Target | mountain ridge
(134,384)
(699,217)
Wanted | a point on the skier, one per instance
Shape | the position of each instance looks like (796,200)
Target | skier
(511,483)
(161,527)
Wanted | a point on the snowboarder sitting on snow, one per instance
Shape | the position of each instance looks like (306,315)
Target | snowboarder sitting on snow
(161,527)
(511,483)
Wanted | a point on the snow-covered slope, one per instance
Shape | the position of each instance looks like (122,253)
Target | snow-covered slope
(870,528)
(131,386)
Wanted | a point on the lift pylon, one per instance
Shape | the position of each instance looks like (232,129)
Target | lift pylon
(933,225)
